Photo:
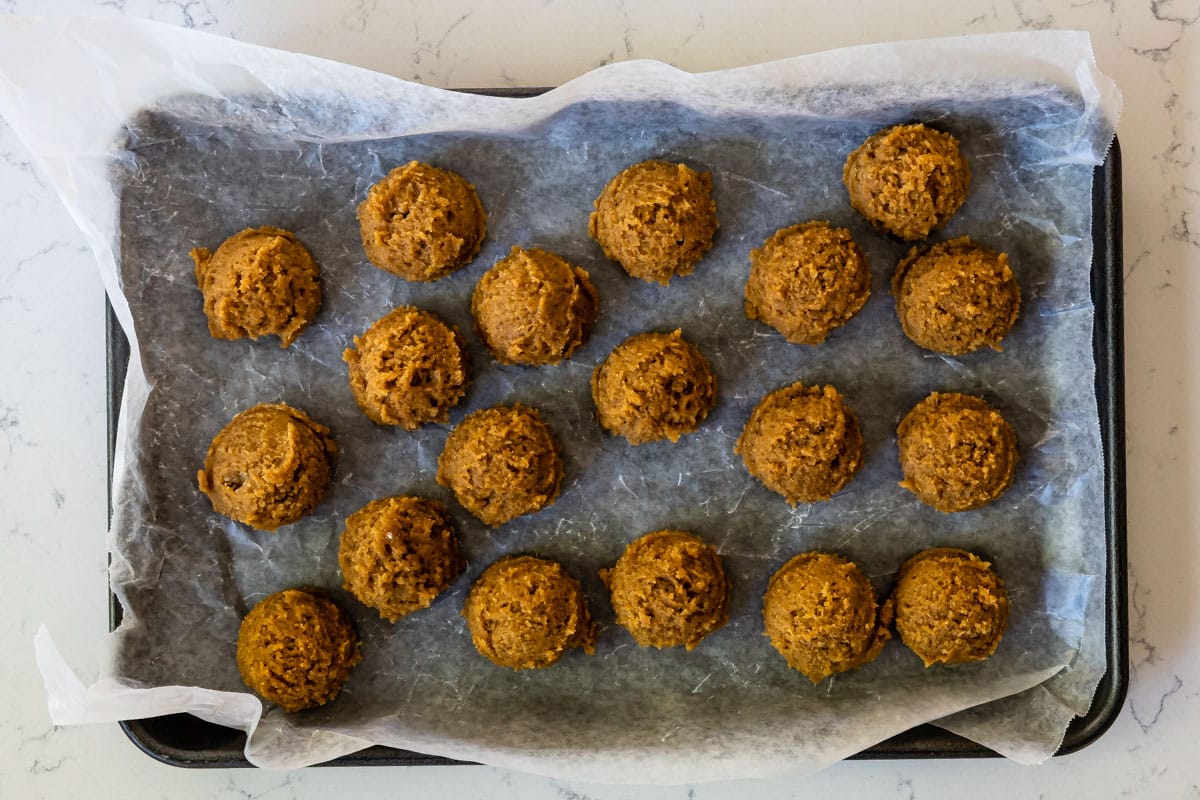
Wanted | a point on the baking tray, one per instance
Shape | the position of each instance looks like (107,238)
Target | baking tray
(186,741)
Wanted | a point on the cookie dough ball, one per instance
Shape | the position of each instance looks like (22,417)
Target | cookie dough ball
(407,369)
(268,467)
(653,386)
(398,554)
(669,589)
(802,442)
(951,607)
(956,451)
(956,297)
(260,282)
(502,462)
(656,220)
(821,614)
(534,308)
(807,280)
(421,222)
(296,649)
(525,613)
(907,180)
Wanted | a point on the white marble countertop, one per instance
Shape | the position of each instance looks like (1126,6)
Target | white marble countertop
(52,394)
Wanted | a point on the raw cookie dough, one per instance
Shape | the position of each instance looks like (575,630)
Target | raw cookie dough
(956,297)
(534,308)
(296,648)
(259,282)
(268,467)
(668,589)
(802,442)
(525,613)
(653,386)
(907,180)
(807,280)
(421,222)
(408,368)
(821,614)
(956,451)
(951,607)
(656,219)
(397,554)
(502,462)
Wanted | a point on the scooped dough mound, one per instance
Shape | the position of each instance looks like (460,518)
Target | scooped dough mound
(421,222)
(525,613)
(653,386)
(268,467)
(656,219)
(807,280)
(802,442)
(534,308)
(259,282)
(956,297)
(951,607)
(821,614)
(502,462)
(907,180)
(956,451)
(296,649)
(669,589)
(398,554)
(408,368)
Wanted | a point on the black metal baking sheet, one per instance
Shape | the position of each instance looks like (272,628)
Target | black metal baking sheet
(186,741)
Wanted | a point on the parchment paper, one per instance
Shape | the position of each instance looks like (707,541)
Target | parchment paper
(164,139)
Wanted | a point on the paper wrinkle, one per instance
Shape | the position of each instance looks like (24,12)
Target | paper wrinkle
(164,139)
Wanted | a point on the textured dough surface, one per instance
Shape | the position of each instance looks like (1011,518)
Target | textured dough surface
(669,589)
(957,452)
(907,180)
(259,282)
(502,462)
(534,308)
(268,467)
(525,613)
(656,219)
(951,607)
(407,369)
(821,614)
(421,222)
(653,386)
(397,554)
(956,297)
(802,442)
(296,649)
(807,280)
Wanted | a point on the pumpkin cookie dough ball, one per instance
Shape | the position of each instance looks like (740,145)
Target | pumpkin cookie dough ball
(525,613)
(807,280)
(802,442)
(656,220)
(821,614)
(907,180)
(268,467)
(296,649)
(398,554)
(956,451)
(409,368)
(669,589)
(653,386)
(951,608)
(421,222)
(956,297)
(502,462)
(260,282)
(534,308)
